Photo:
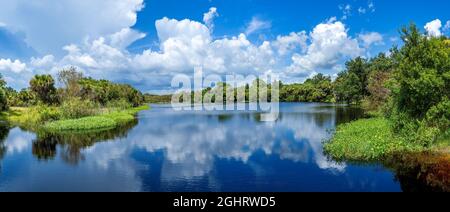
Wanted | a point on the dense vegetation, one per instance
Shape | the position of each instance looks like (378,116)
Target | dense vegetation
(80,103)
(410,88)
(152,98)
(317,89)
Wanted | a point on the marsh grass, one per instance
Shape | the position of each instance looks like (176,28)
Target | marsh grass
(50,119)
(106,121)
(367,140)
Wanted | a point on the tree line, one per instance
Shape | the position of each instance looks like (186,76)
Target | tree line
(75,87)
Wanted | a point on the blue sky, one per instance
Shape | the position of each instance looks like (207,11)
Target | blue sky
(131,40)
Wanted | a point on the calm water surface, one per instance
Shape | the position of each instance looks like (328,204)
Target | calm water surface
(165,150)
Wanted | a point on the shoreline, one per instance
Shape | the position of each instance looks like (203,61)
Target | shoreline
(371,140)
(23,117)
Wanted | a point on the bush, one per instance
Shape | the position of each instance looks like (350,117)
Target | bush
(366,140)
(74,108)
(439,115)
(119,104)
(87,123)
(47,113)
(3,100)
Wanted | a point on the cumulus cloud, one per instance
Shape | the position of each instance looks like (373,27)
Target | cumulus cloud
(125,37)
(256,24)
(208,18)
(15,66)
(293,41)
(49,24)
(46,61)
(329,44)
(186,44)
(433,28)
(371,38)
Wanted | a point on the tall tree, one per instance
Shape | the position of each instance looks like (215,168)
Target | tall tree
(3,97)
(70,79)
(44,88)
(423,75)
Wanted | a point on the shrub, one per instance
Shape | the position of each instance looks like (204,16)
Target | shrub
(3,100)
(87,123)
(119,104)
(44,88)
(74,108)
(439,115)
(46,113)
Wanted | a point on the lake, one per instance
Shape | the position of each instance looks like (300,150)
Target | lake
(167,150)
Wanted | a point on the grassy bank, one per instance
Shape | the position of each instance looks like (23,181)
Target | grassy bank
(367,140)
(47,118)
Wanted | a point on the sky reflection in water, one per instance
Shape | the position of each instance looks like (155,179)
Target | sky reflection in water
(191,151)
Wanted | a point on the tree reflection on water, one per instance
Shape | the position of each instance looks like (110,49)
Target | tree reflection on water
(421,172)
(70,144)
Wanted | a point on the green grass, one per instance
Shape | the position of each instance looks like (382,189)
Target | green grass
(105,121)
(366,140)
(87,123)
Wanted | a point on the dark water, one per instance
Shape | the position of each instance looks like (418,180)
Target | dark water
(165,150)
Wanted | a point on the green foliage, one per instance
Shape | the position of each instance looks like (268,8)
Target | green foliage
(44,88)
(347,88)
(33,117)
(103,91)
(439,115)
(380,74)
(351,86)
(74,108)
(423,74)
(3,100)
(3,95)
(419,106)
(70,79)
(317,89)
(87,123)
(121,104)
(150,98)
(99,122)
(367,140)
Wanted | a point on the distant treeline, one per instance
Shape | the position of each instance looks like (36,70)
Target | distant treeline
(152,98)
(42,90)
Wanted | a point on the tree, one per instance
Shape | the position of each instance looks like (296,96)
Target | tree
(347,88)
(380,72)
(3,97)
(351,84)
(70,79)
(44,88)
(423,75)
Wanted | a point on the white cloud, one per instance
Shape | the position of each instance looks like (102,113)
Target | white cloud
(46,61)
(330,43)
(433,28)
(184,30)
(125,37)
(371,38)
(186,44)
(256,24)
(50,24)
(447,25)
(293,41)
(208,18)
(346,11)
(15,66)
